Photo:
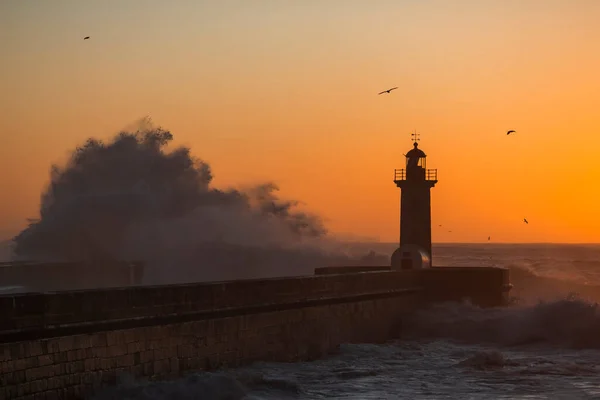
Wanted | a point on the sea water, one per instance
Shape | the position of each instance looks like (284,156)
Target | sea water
(546,345)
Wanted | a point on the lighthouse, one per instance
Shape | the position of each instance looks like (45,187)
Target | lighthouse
(415,182)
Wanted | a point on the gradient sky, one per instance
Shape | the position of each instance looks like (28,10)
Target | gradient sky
(286,91)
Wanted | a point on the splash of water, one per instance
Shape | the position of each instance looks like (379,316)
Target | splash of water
(132,198)
(569,322)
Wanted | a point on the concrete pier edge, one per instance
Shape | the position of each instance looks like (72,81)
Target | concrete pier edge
(71,344)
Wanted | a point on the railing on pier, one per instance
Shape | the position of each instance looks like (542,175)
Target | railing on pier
(400,175)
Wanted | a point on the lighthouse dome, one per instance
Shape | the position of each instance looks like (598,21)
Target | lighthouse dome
(416,152)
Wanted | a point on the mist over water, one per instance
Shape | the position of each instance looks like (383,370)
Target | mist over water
(135,198)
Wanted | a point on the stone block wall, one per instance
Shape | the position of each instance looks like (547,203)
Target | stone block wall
(67,345)
(36,276)
(46,313)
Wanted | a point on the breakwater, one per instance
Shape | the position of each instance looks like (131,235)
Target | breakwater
(42,277)
(69,344)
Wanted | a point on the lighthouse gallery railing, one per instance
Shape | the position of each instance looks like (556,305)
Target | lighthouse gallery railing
(400,175)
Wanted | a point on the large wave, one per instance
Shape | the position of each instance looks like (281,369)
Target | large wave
(133,199)
(570,322)
(530,287)
(544,310)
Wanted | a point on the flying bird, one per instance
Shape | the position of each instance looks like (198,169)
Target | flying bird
(389,90)
(86,38)
(509,132)
(525,220)
(489,237)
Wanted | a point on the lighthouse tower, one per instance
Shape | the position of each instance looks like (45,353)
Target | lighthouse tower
(415,182)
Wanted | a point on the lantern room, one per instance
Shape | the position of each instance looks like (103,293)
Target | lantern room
(416,158)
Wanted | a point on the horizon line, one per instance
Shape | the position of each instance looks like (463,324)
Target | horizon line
(486,242)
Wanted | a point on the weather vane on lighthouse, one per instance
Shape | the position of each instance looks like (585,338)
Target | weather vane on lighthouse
(415,136)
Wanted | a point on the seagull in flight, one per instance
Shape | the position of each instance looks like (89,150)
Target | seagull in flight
(389,90)
(525,220)
(86,38)
(511,131)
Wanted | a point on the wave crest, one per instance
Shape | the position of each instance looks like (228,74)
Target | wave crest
(133,199)
(570,322)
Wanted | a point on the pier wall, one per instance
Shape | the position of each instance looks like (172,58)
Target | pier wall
(36,276)
(69,344)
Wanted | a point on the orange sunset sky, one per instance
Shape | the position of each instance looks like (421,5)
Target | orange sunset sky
(287,91)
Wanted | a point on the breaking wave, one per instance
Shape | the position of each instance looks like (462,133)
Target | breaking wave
(133,199)
(569,323)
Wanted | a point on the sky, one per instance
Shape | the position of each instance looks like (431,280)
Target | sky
(286,91)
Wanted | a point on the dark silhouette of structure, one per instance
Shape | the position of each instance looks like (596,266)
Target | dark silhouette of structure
(415,183)
(37,276)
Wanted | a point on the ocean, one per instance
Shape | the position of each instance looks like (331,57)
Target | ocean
(545,345)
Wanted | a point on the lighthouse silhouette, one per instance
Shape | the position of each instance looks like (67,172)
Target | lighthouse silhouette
(415,182)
